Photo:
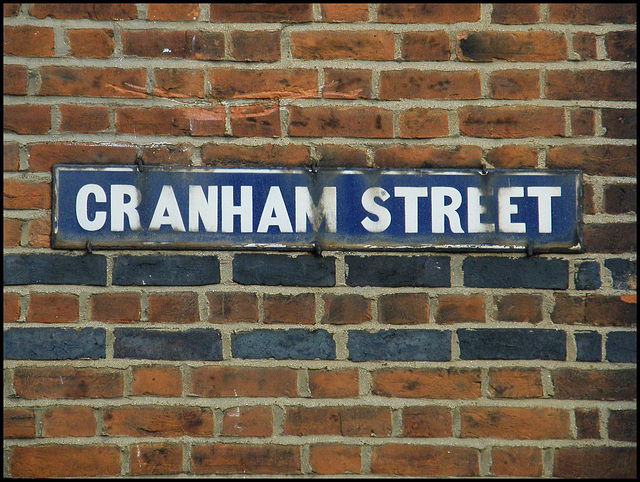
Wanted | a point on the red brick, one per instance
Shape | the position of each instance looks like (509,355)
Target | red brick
(92,11)
(11,156)
(428,12)
(11,232)
(341,156)
(147,421)
(175,44)
(92,42)
(592,13)
(173,11)
(83,119)
(65,461)
(10,306)
(26,195)
(26,119)
(588,384)
(595,160)
(419,123)
(167,154)
(68,422)
(256,120)
(426,422)
(231,83)
(28,41)
(595,462)
(404,308)
(11,9)
(511,46)
(584,44)
(514,423)
(342,383)
(343,421)
(221,458)
(430,84)
(346,309)
(14,79)
(255,46)
(347,84)
(40,232)
(53,308)
(511,122)
(248,422)
(18,423)
(343,44)
(334,459)
(588,199)
(232,307)
(257,13)
(115,307)
(344,12)
(159,381)
(426,383)
(299,309)
(425,46)
(363,122)
(174,308)
(93,82)
(515,13)
(424,460)
(519,307)
(513,157)
(610,238)
(62,382)
(620,198)
(424,156)
(623,425)
(603,310)
(255,156)
(516,462)
(515,383)
(589,84)
(187,121)
(155,459)
(42,156)
(583,122)
(178,83)
(587,423)
(213,381)
(514,84)
(621,46)
(620,123)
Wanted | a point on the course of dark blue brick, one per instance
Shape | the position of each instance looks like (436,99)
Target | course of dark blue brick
(57,269)
(396,271)
(197,344)
(621,347)
(400,345)
(54,343)
(284,270)
(526,272)
(512,344)
(155,270)
(623,273)
(295,344)
(587,276)
(589,345)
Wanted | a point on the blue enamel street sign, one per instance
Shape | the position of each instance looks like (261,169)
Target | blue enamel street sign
(336,209)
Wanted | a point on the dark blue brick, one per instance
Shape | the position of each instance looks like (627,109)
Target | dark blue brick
(155,270)
(55,269)
(284,270)
(197,344)
(587,276)
(400,345)
(589,344)
(621,347)
(54,343)
(623,273)
(395,271)
(295,344)
(512,344)
(530,272)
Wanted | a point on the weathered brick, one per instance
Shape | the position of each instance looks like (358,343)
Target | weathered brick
(225,458)
(331,155)
(14,79)
(357,421)
(587,276)
(592,13)
(424,460)
(256,120)
(610,238)
(583,122)
(511,122)
(428,12)
(178,83)
(594,160)
(450,383)
(174,308)
(93,82)
(537,423)
(257,13)
(173,11)
(227,83)
(513,157)
(94,42)
(587,423)
(419,123)
(584,44)
(42,156)
(335,458)
(65,461)
(495,272)
(39,232)
(188,121)
(620,123)
(275,270)
(395,271)
(155,459)
(115,307)
(10,306)
(68,383)
(53,308)
(344,12)
(347,84)
(17,194)
(26,119)
(256,156)
(72,421)
(297,309)
(425,46)
(248,422)
(243,381)
(515,14)
(602,310)
(10,156)
(588,345)
(255,46)
(365,122)
(421,84)
(11,9)
(195,344)
(156,270)
(421,156)
(621,347)
(343,44)
(516,461)
(511,46)
(167,154)
(28,41)
(346,309)
(235,307)
(100,11)
(460,309)
(11,232)
(54,343)
(296,344)
(595,462)
(153,421)
(83,119)
(512,344)
(399,345)
(623,425)
(333,383)
(623,273)
(514,84)
(515,383)
(18,423)
(620,199)
(186,44)
(156,380)
(588,84)
(591,384)
(519,307)
(426,422)
(403,308)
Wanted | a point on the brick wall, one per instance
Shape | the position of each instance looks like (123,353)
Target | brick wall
(221,362)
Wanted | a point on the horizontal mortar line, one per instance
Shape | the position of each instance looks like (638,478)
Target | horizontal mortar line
(609,218)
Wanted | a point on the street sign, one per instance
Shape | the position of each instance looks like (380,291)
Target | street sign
(326,209)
